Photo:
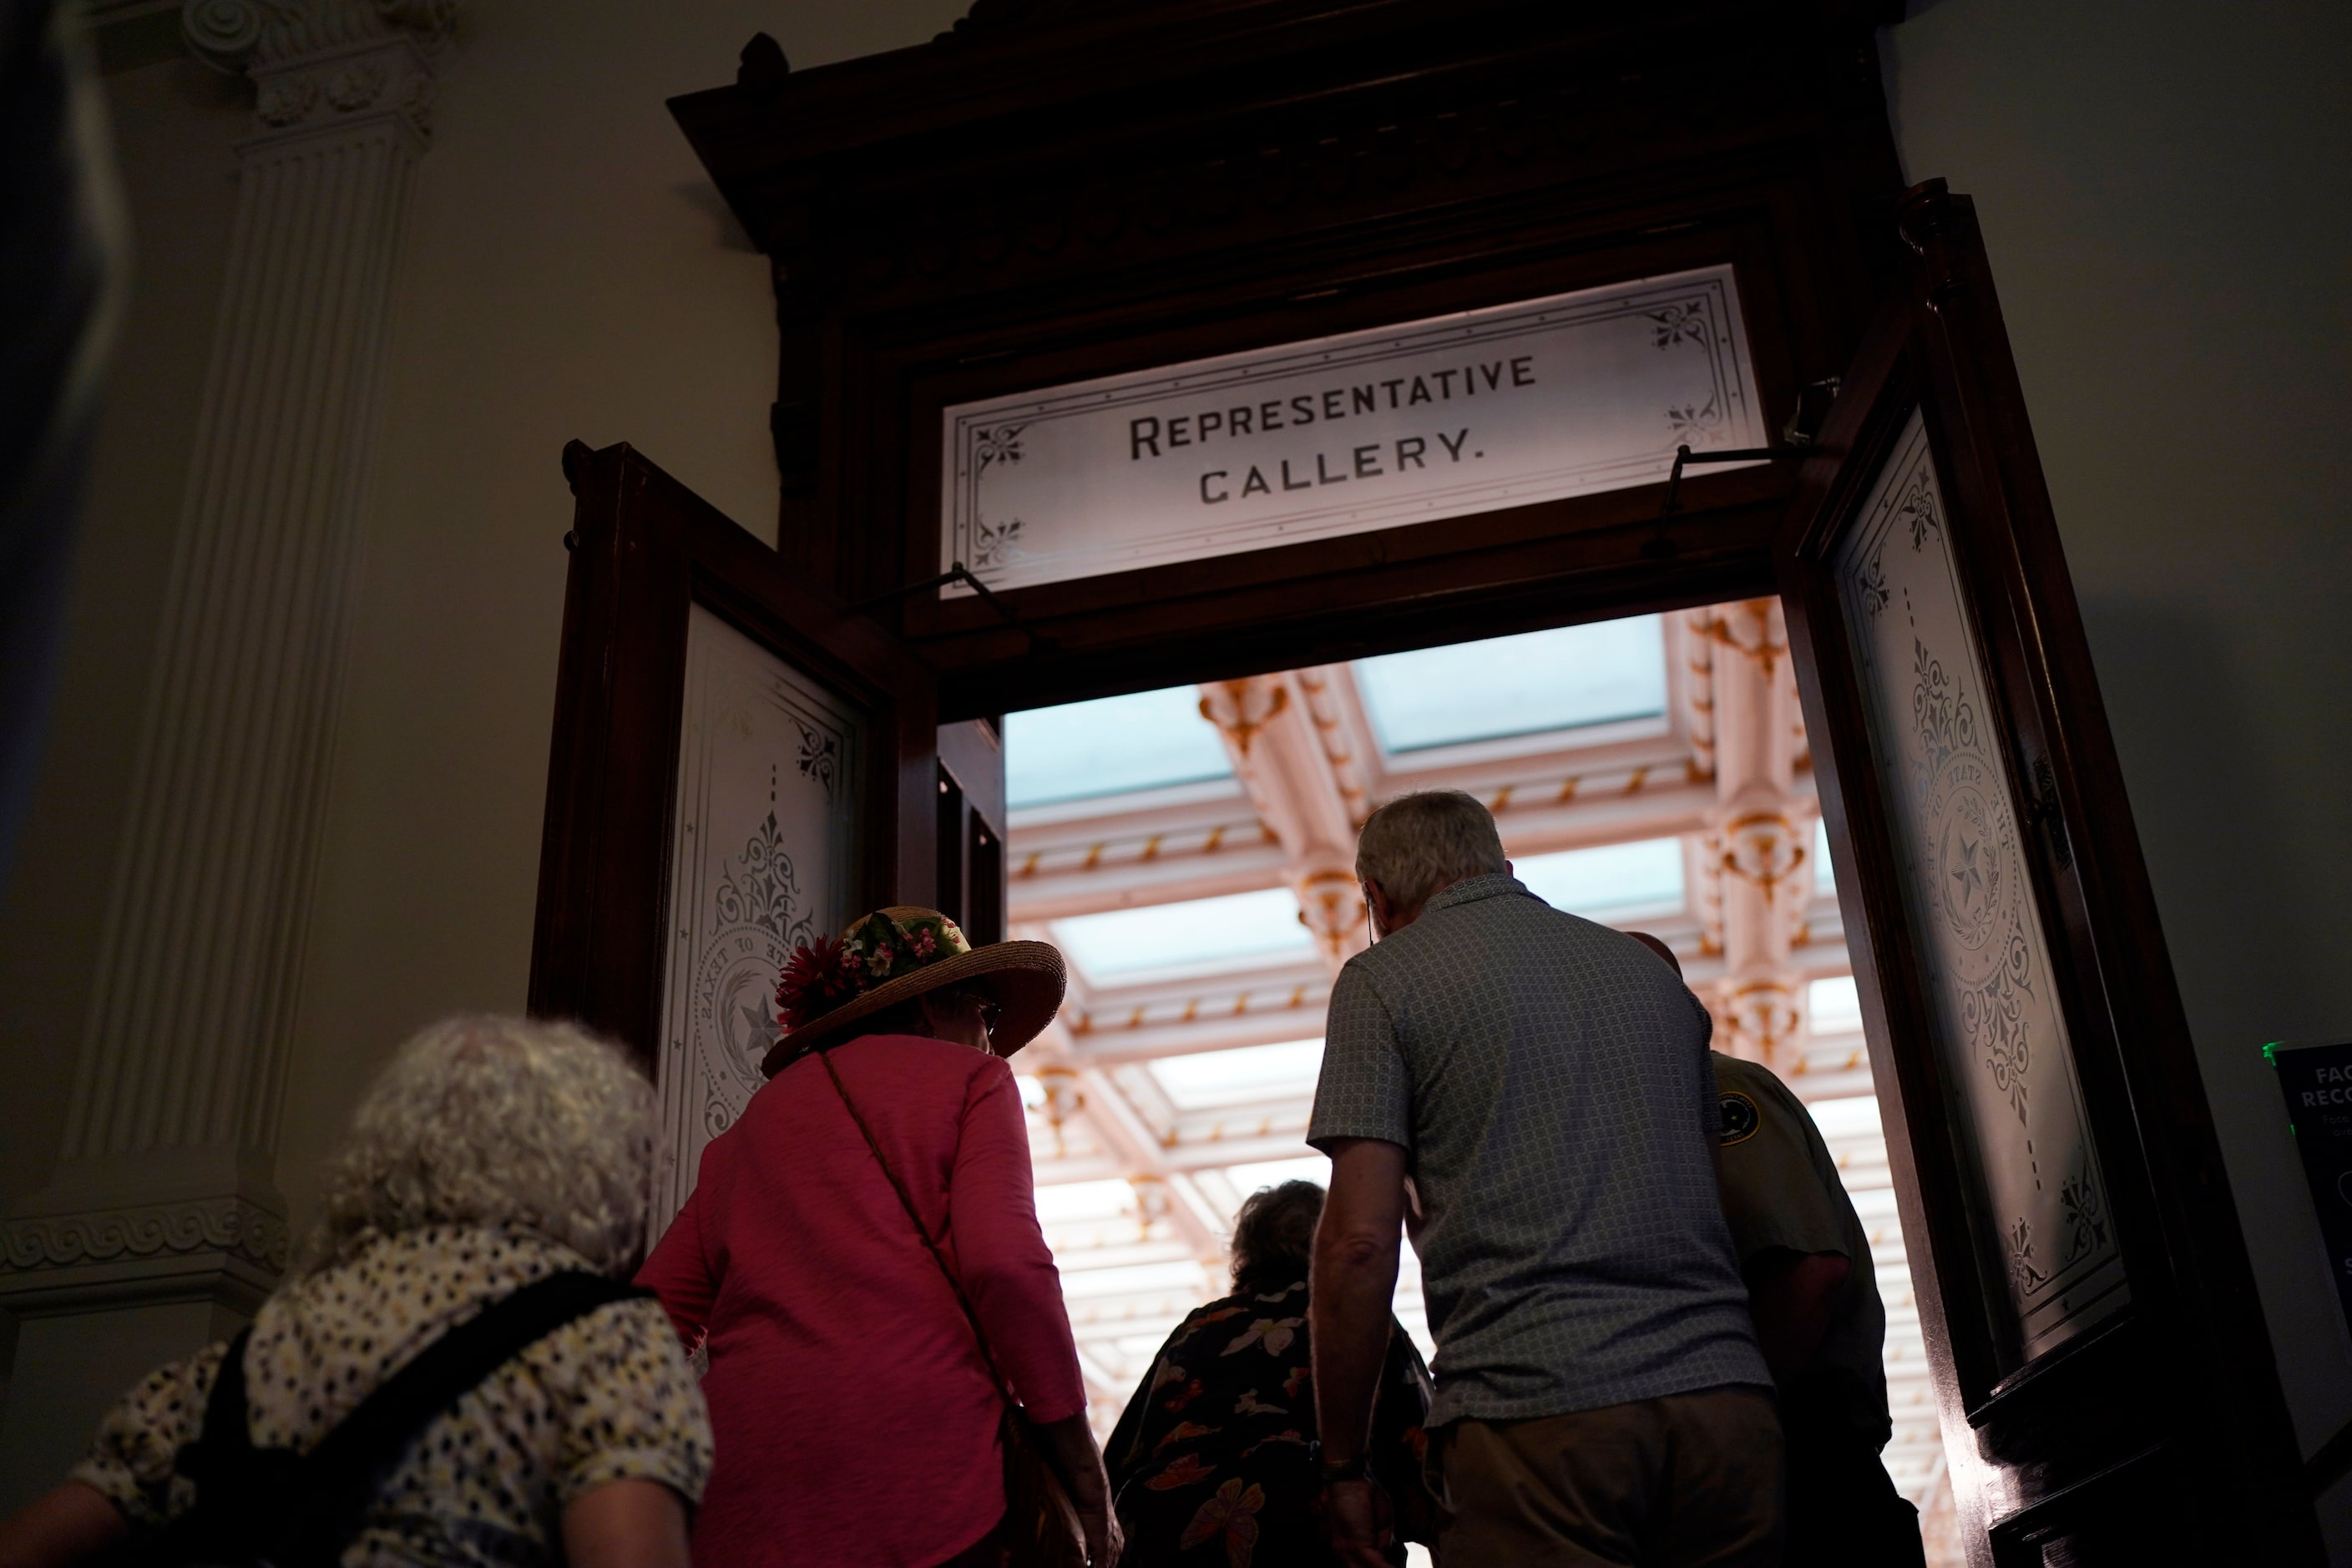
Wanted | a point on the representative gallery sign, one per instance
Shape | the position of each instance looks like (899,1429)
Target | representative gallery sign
(1528,402)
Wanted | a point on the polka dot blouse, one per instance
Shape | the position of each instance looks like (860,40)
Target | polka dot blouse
(607,1397)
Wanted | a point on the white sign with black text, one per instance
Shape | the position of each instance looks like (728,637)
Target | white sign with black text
(1497,407)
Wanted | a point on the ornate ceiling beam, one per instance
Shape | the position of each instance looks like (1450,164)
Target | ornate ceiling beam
(1756,857)
(1289,753)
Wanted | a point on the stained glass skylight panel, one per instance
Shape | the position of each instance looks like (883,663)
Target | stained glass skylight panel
(1186,1277)
(1835,1007)
(1076,1203)
(1849,1117)
(1609,881)
(1210,1079)
(1235,931)
(1249,1178)
(1113,745)
(1565,678)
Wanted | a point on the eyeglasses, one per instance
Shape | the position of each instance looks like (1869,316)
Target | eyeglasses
(988,1013)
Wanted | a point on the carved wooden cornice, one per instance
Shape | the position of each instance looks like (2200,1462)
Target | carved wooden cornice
(920,174)
(1050,178)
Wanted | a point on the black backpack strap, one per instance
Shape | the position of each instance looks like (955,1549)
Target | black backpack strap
(222,1461)
(272,1505)
(342,1474)
(240,1489)
(226,1433)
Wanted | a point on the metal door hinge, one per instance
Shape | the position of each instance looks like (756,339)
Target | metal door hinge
(2042,811)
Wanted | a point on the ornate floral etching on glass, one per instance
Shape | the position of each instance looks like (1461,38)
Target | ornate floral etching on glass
(762,856)
(1972,907)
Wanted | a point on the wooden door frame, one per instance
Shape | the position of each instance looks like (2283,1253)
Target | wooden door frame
(1941,348)
(1054,193)
(645,550)
(1051,194)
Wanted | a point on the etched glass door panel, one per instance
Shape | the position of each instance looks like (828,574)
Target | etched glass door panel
(1976,923)
(763,855)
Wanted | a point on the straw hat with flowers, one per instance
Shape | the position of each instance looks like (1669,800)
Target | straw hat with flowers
(896,954)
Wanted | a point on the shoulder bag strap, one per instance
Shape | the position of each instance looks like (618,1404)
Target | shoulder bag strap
(986,1355)
(307,1507)
(342,1474)
(1041,1525)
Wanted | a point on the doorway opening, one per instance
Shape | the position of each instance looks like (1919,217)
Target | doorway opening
(1191,849)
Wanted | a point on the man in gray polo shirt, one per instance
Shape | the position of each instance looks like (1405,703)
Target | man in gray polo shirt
(1528,1094)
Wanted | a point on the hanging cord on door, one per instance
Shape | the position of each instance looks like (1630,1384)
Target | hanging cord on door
(1039,643)
(1797,439)
(1663,548)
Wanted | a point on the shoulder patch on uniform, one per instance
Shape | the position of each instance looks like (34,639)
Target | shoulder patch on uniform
(1740,1117)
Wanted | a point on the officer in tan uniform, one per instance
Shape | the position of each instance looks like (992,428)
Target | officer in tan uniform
(1814,1296)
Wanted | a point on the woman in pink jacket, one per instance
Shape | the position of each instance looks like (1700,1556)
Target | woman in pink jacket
(854,1413)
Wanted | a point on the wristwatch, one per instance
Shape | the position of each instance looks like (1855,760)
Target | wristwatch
(1351,1470)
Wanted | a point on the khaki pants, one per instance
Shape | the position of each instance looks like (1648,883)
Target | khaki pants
(1686,1480)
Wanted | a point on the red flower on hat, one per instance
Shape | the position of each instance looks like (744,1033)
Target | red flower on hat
(820,976)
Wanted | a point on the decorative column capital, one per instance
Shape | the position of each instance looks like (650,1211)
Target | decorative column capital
(319,62)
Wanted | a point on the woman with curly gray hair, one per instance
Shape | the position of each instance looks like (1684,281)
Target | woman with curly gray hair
(455,1315)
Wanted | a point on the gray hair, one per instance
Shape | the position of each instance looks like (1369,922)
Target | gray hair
(1419,843)
(498,1122)
(1274,1234)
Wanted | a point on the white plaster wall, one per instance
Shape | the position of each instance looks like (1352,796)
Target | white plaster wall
(174,124)
(570,273)
(2157,183)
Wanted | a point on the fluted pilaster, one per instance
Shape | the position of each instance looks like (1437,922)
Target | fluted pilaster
(165,1174)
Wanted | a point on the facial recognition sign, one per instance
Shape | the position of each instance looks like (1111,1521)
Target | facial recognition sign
(1546,398)
(2317,1079)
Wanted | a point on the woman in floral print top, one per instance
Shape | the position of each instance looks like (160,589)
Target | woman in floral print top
(489,1155)
(1211,1462)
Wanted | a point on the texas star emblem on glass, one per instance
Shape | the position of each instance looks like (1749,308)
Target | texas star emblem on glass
(762,856)
(2041,1205)
(1496,407)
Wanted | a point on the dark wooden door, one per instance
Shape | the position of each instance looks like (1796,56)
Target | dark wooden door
(740,763)
(2106,1379)
(971,827)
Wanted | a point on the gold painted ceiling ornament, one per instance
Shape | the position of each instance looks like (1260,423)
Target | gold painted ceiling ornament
(1240,709)
(1154,1202)
(1064,1099)
(1331,905)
